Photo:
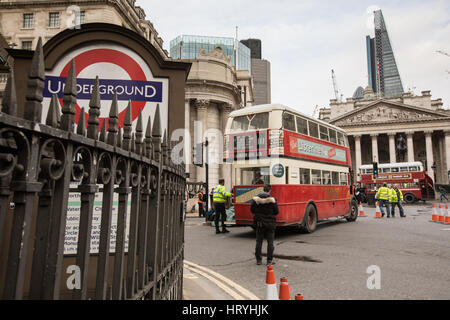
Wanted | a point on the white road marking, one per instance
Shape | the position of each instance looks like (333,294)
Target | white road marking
(198,269)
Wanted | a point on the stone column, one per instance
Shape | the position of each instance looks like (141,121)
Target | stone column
(375,157)
(358,152)
(409,136)
(392,153)
(447,154)
(199,131)
(187,139)
(226,168)
(429,149)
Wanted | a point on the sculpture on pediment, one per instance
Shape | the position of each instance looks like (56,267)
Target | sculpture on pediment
(401,148)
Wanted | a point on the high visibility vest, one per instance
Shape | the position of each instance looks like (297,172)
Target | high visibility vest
(383,193)
(220,194)
(394,197)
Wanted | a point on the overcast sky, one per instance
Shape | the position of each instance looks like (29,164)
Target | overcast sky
(305,39)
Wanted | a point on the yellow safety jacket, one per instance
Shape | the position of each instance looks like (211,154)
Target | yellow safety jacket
(220,194)
(384,193)
(394,197)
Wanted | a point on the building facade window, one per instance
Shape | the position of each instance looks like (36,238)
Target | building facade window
(80,17)
(27,45)
(28,20)
(53,19)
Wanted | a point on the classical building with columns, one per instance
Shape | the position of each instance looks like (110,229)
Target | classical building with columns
(213,90)
(377,127)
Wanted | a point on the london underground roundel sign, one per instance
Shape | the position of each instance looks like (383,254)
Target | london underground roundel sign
(120,70)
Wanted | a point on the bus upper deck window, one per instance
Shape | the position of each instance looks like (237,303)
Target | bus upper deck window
(288,121)
(240,124)
(333,137)
(302,126)
(324,133)
(386,170)
(395,169)
(413,169)
(341,139)
(259,121)
(403,169)
(313,129)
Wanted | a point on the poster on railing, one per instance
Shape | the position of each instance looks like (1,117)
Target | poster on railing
(73,222)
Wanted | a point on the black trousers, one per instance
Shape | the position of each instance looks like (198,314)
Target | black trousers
(261,233)
(201,211)
(221,214)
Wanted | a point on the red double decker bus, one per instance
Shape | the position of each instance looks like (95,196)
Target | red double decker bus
(413,180)
(307,162)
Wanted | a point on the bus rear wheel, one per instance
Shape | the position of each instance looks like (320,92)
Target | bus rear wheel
(409,198)
(310,222)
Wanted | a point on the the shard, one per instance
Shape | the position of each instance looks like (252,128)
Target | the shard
(384,77)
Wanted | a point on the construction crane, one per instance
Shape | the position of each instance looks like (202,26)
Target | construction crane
(336,90)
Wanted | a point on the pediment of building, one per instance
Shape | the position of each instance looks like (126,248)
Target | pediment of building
(217,53)
(385,112)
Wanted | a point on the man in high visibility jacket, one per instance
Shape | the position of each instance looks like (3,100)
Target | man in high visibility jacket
(383,196)
(396,200)
(220,196)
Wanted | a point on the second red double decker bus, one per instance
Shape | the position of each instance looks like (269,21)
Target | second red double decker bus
(307,162)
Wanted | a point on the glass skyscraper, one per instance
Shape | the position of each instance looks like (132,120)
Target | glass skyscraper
(384,77)
(187,47)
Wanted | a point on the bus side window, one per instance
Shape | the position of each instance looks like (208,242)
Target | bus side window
(305,176)
(395,169)
(341,139)
(316,176)
(326,177)
(344,179)
(288,121)
(313,130)
(335,178)
(302,126)
(333,136)
(324,133)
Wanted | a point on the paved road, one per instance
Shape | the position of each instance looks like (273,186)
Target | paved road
(413,255)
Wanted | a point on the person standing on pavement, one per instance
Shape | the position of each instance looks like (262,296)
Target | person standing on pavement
(264,207)
(220,197)
(201,208)
(383,196)
(443,194)
(396,199)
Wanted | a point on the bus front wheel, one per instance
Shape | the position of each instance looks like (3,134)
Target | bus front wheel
(409,198)
(310,222)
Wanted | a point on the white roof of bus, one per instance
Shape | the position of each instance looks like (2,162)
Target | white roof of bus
(393,165)
(270,107)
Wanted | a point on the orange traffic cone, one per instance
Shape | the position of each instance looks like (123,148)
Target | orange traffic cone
(271,286)
(378,214)
(441,214)
(361,211)
(435,217)
(447,217)
(284,289)
(299,297)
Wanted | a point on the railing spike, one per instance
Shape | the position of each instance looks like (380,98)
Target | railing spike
(133,145)
(138,135)
(103,132)
(53,116)
(113,121)
(127,129)
(119,138)
(81,129)
(35,86)
(94,111)
(69,100)
(9,102)
(157,123)
(148,139)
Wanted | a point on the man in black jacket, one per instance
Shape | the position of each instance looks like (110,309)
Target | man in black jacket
(265,208)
